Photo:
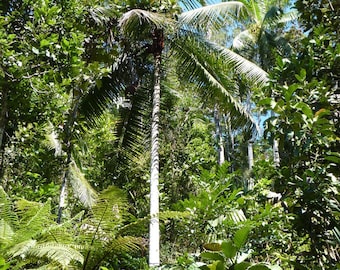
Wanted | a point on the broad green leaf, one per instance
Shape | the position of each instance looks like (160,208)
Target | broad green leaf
(321,112)
(212,246)
(302,76)
(274,267)
(242,266)
(265,267)
(332,158)
(229,249)
(218,265)
(240,237)
(44,43)
(305,109)
(289,92)
(65,43)
(259,267)
(265,101)
(214,256)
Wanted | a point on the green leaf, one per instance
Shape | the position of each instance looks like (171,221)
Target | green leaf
(212,246)
(302,76)
(305,109)
(242,266)
(214,256)
(65,43)
(44,43)
(264,267)
(240,237)
(332,158)
(259,267)
(229,249)
(218,265)
(265,101)
(289,92)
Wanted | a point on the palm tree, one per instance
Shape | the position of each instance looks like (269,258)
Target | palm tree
(263,39)
(196,58)
(262,35)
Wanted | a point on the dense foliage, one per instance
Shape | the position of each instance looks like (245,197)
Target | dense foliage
(76,88)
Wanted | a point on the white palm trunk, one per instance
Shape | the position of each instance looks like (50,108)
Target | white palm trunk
(276,153)
(250,155)
(221,156)
(154,234)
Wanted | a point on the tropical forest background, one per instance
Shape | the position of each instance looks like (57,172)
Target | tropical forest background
(210,126)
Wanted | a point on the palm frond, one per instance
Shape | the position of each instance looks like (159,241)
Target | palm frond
(81,187)
(207,77)
(236,215)
(138,22)
(243,66)
(52,141)
(98,99)
(133,126)
(289,16)
(242,40)
(272,16)
(102,14)
(212,16)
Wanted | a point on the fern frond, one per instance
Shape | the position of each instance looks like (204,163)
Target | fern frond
(22,248)
(140,226)
(166,215)
(6,233)
(64,232)
(110,208)
(33,222)
(81,187)
(125,244)
(6,209)
(60,253)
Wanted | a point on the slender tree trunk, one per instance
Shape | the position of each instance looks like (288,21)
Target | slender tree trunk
(68,149)
(231,142)
(154,233)
(3,124)
(250,155)
(221,156)
(276,153)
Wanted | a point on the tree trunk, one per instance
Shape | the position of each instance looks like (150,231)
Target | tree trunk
(3,124)
(68,149)
(154,233)
(250,155)
(276,153)
(219,137)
